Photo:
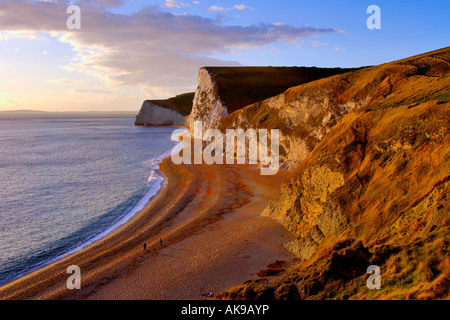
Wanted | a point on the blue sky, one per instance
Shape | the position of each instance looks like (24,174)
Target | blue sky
(130,50)
(408,27)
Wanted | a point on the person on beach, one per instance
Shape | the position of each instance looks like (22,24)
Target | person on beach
(160,242)
(145,246)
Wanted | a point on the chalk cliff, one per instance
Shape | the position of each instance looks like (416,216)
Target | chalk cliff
(152,114)
(304,114)
(223,90)
(172,111)
(207,105)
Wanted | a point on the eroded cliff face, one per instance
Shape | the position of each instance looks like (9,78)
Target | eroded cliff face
(374,189)
(306,113)
(308,210)
(373,192)
(306,205)
(207,105)
(223,90)
(152,114)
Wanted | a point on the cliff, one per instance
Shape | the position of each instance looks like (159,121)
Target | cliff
(371,185)
(223,90)
(368,152)
(306,113)
(172,111)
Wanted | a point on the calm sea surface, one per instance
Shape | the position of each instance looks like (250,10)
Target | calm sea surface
(68,179)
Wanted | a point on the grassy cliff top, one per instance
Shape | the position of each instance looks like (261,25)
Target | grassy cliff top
(181,103)
(242,86)
(411,80)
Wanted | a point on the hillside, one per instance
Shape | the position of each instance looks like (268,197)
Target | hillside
(241,86)
(172,111)
(370,188)
(223,90)
(181,103)
(306,113)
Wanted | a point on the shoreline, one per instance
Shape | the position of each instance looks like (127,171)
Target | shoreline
(140,205)
(198,207)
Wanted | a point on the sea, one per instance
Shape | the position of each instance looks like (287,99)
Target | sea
(68,179)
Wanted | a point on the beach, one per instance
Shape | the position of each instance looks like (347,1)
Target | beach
(213,238)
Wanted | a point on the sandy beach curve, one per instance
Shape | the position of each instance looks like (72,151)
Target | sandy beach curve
(213,237)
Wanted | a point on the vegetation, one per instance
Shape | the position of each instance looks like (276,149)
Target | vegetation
(181,103)
(241,86)
(394,157)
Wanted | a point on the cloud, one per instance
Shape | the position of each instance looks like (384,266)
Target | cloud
(241,7)
(148,48)
(216,8)
(175,4)
(102,3)
(66,81)
(224,10)
(6,35)
(93,91)
(110,3)
(315,43)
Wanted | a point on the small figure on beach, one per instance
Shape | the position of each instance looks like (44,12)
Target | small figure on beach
(145,246)
(160,242)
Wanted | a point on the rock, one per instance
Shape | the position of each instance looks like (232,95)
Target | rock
(172,111)
(152,114)
(207,105)
(348,263)
(308,210)
(372,181)
(287,291)
(223,90)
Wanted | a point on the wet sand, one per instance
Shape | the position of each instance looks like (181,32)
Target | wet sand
(208,217)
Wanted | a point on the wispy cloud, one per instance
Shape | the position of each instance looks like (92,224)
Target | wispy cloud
(149,48)
(67,81)
(217,8)
(241,7)
(224,10)
(315,43)
(93,91)
(111,3)
(6,35)
(175,4)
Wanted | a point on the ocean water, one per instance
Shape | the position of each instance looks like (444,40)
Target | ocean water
(68,179)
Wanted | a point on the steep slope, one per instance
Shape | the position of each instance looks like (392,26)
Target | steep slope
(172,111)
(305,113)
(373,191)
(223,90)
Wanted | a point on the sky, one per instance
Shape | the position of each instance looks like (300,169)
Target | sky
(127,51)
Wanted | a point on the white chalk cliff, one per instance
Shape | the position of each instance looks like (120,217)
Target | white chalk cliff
(152,114)
(207,105)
